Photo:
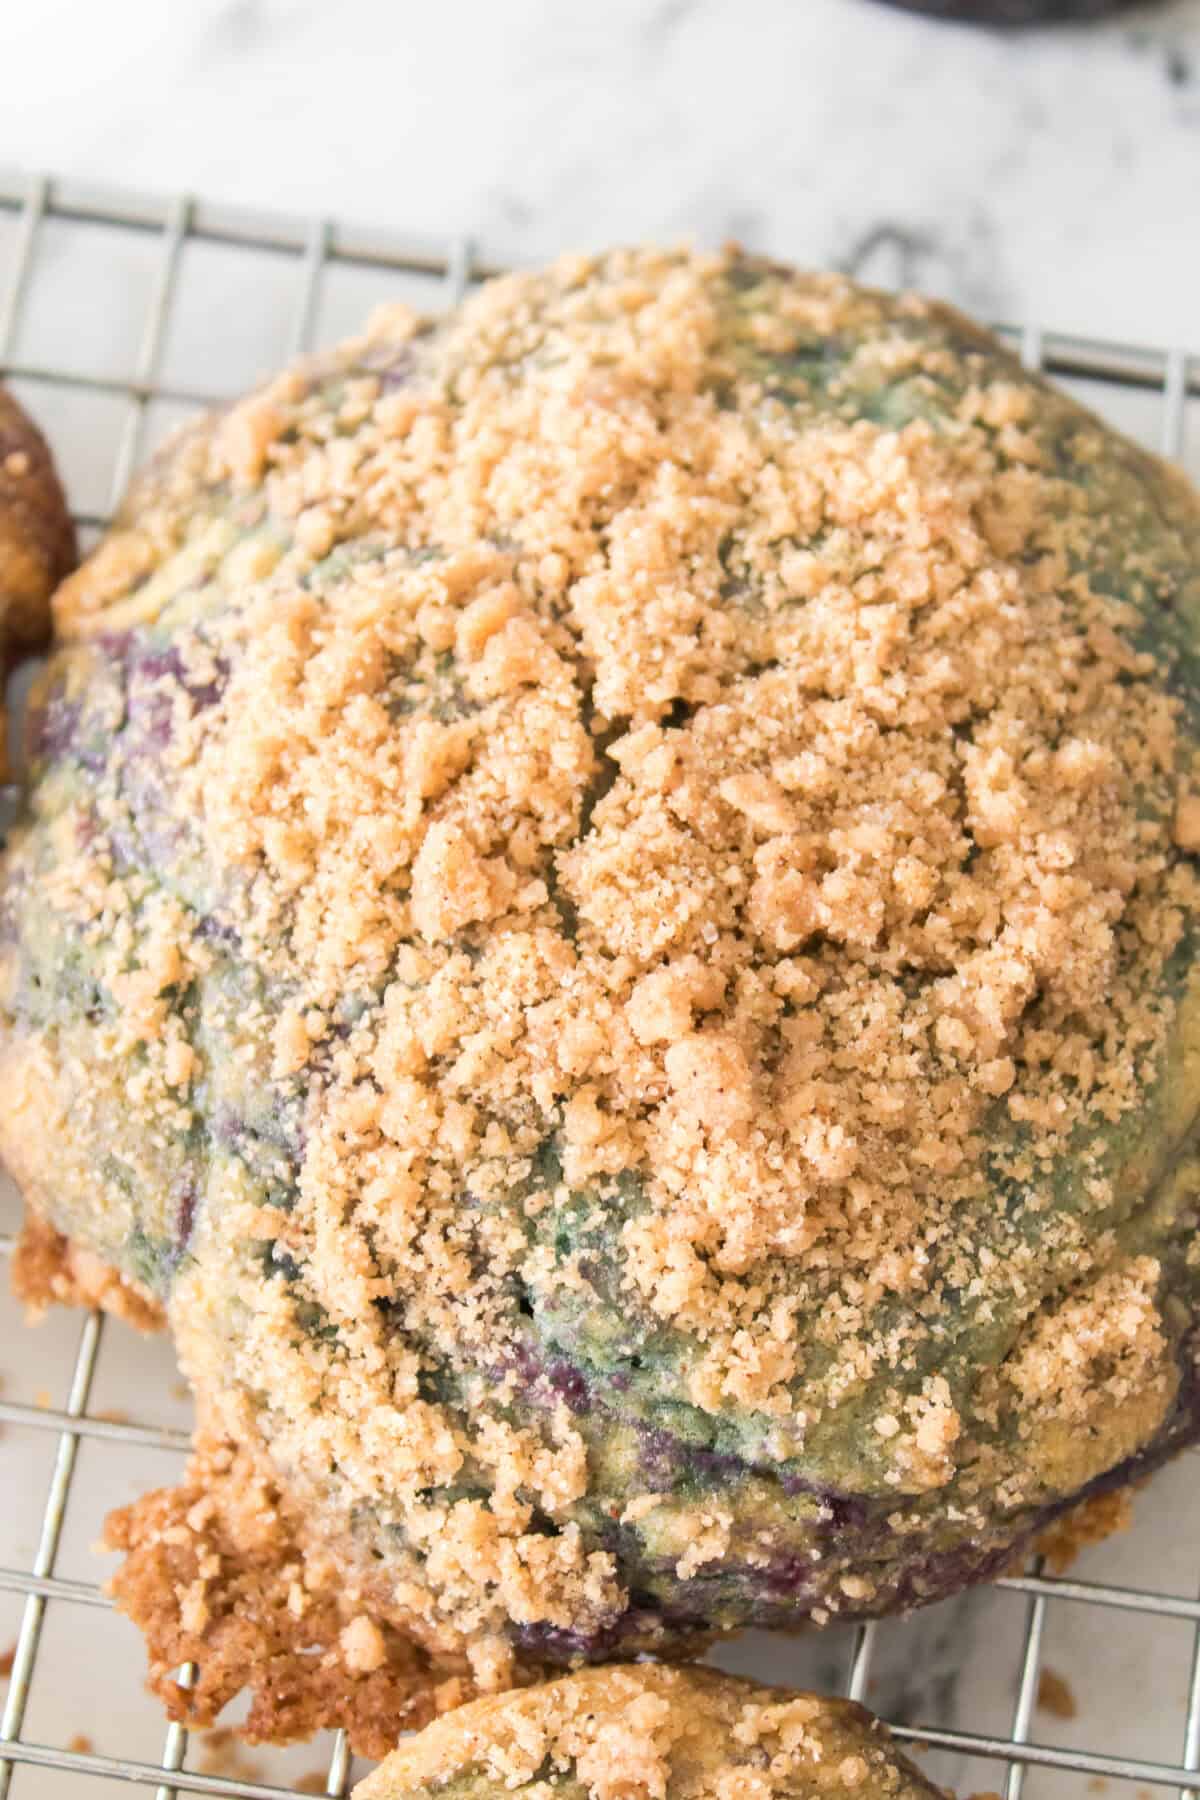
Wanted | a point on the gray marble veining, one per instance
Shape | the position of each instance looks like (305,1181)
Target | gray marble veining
(1051,175)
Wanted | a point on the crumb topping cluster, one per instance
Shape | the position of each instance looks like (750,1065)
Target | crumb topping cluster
(600,734)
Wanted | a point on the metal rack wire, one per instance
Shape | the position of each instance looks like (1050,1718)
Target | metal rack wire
(1170,379)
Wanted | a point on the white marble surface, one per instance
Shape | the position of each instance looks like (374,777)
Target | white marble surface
(1051,175)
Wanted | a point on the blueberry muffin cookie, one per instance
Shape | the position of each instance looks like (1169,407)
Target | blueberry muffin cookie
(37,542)
(607,921)
(645,1733)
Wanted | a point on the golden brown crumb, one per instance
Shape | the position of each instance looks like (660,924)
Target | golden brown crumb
(266,1612)
(1091,1523)
(1055,1695)
(221,1753)
(363,1646)
(81,1743)
(7,1659)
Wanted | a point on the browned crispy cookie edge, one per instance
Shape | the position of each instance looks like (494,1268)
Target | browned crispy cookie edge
(48,1269)
(217,1572)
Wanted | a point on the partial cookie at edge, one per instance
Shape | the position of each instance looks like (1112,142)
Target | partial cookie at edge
(37,539)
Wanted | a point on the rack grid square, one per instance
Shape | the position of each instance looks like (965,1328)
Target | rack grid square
(106,299)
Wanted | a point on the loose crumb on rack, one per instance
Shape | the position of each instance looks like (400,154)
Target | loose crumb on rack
(1096,1519)
(81,1744)
(7,1659)
(222,1753)
(1056,1696)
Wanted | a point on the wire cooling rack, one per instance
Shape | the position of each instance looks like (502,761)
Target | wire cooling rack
(121,315)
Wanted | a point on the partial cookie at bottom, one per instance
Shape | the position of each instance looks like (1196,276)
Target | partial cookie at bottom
(645,1733)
